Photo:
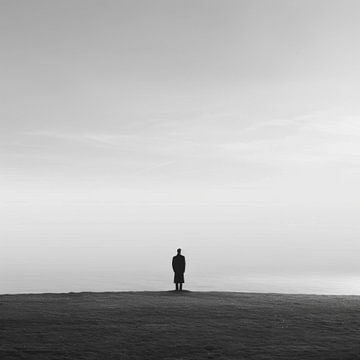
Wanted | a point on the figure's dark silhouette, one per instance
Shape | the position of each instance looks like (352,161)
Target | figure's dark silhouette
(178,265)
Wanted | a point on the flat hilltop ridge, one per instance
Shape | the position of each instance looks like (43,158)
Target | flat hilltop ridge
(187,325)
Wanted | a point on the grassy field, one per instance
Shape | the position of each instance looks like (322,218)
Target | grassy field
(188,325)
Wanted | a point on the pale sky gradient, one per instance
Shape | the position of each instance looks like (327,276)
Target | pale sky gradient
(131,128)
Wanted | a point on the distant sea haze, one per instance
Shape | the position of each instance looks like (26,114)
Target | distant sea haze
(39,282)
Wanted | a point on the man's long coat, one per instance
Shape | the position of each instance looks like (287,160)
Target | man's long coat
(178,265)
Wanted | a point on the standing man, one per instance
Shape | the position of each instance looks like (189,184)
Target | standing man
(178,265)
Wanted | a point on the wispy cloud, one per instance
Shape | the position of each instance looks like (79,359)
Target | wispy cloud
(204,149)
(317,137)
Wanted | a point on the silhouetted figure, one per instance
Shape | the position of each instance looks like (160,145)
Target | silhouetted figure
(178,265)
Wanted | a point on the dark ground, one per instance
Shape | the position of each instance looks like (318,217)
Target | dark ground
(189,325)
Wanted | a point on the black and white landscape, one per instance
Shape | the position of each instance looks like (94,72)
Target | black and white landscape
(130,128)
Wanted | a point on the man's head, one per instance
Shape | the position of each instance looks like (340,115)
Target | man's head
(178,251)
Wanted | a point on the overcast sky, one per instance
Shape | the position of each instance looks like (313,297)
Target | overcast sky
(130,128)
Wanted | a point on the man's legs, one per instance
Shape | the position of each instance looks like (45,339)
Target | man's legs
(177,286)
(180,286)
